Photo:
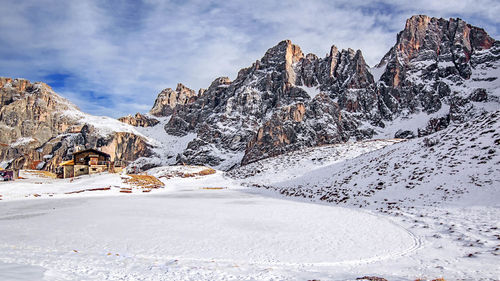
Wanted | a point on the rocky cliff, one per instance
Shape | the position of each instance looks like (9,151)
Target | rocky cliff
(439,71)
(40,129)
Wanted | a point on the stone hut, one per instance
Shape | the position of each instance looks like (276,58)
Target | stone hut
(85,162)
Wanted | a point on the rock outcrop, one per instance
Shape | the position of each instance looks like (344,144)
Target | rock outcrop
(40,129)
(139,120)
(168,100)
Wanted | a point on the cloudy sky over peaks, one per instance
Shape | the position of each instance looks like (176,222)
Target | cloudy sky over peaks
(113,57)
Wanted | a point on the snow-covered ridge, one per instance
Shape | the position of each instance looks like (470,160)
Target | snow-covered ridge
(164,146)
(104,125)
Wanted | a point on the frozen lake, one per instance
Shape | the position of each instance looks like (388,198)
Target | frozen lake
(187,230)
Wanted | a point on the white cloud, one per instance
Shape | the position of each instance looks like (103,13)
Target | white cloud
(128,52)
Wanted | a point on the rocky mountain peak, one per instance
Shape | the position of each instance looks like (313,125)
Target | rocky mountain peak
(15,89)
(284,51)
(281,58)
(19,84)
(169,99)
(437,40)
(288,100)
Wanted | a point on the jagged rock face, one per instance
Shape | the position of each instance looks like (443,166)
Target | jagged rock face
(126,147)
(30,116)
(40,129)
(288,100)
(139,120)
(274,106)
(430,56)
(26,111)
(168,100)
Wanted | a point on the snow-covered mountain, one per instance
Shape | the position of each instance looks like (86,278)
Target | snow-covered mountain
(439,72)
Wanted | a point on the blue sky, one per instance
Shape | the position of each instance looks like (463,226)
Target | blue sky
(113,57)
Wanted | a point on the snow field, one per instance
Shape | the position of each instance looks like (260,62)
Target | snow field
(184,232)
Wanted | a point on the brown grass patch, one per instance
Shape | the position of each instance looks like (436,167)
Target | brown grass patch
(214,188)
(206,172)
(144,181)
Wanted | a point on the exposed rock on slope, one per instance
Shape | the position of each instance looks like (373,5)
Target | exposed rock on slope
(40,128)
(26,111)
(139,120)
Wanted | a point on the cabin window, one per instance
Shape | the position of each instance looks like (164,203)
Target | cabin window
(94,169)
(82,169)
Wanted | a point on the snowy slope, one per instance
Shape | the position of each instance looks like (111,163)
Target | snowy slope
(165,147)
(293,165)
(461,161)
(104,125)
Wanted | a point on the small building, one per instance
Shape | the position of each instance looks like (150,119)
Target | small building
(85,162)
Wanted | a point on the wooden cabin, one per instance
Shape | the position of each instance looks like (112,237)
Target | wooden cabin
(85,162)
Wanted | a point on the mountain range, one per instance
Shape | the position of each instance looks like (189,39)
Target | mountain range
(438,73)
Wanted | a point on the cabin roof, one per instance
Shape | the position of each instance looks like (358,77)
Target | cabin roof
(67,163)
(92,150)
